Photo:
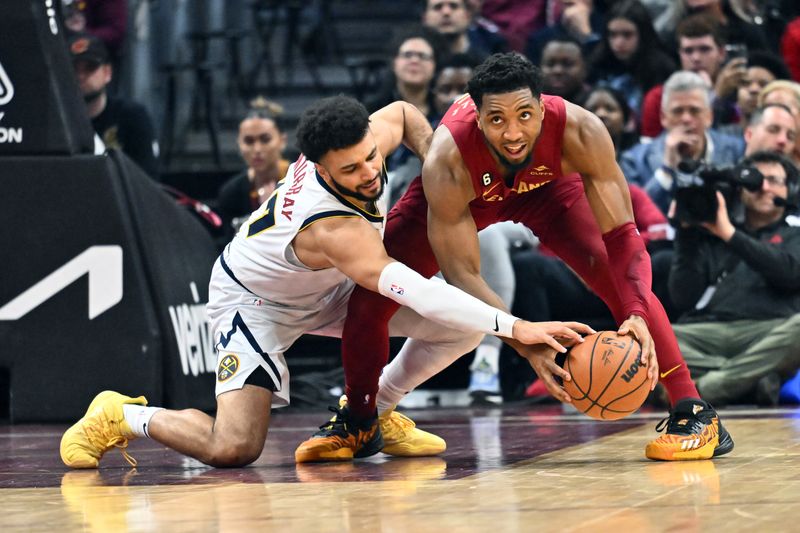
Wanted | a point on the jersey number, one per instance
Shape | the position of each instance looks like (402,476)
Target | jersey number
(267,220)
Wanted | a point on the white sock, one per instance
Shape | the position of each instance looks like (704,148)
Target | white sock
(488,353)
(388,395)
(138,416)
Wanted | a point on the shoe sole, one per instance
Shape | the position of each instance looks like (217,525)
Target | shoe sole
(342,454)
(704,452)
(405,449)
(725,444)
(372,447)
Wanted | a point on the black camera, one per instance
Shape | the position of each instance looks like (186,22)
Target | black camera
(696,186)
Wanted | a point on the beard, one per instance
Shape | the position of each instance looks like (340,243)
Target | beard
(344,191)
(92,96)
(512,167)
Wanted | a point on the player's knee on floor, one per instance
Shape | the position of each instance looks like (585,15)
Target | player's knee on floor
(233,452)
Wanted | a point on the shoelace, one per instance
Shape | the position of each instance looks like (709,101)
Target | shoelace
(97,437)
(693,426)
(336,425)
(400,421)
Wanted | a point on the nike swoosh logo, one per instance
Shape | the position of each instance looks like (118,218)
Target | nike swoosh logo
(670,371)
(496,325)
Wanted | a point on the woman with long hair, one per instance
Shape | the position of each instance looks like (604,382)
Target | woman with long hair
(261,143)
(630,58)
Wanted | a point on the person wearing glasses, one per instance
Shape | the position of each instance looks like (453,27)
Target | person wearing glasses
(413,63)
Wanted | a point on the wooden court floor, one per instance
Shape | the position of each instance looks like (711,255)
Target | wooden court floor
(507,469)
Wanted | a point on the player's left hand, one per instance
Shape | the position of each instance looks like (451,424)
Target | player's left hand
(636,326)
(542,358)
(722,226)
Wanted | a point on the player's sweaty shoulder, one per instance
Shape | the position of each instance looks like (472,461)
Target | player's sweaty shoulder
(445,165)
(582,131)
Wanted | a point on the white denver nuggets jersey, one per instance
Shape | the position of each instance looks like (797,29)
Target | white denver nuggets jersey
(261,257)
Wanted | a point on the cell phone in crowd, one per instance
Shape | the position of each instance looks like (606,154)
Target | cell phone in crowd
(734,51)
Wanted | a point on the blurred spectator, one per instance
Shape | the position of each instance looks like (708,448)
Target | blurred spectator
(610,107)
(787,93)
(735,30)
(484,34)
(451,80)
(120,124)
(261,143)
(666,15)
(579,19)
(790,48)
(732,113)
(518,18)
(451,19)
(772,129)
(686,117)
(450,83)
(630,57)
(770,16)
(415,55)
(413,62)
(701,49)
(739,283)
(564,69)
(106,19)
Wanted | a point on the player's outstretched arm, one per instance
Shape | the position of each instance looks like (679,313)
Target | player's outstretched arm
(401,122)
(588,150)
(368,265)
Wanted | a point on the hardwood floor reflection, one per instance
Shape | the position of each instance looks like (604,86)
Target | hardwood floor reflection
(605,484)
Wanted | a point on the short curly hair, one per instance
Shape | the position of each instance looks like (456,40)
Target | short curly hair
(331,124)
(504,73)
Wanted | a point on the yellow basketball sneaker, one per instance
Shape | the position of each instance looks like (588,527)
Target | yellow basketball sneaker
(693,431)
(102,427)
(342,438)
(402,437)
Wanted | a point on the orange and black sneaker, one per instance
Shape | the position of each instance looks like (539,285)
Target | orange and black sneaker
(693,431)
(342,438)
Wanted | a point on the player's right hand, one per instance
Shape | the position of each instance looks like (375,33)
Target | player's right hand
(557,335)
(542,358)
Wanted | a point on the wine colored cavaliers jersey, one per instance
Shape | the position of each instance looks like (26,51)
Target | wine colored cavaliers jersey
(487,179)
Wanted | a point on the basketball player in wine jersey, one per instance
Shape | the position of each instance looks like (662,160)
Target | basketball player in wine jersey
(290,270)
(504,151)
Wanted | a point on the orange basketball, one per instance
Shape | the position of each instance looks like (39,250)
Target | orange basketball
(608,382)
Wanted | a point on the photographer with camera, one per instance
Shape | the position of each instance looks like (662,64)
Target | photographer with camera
(686,116)
(739,282)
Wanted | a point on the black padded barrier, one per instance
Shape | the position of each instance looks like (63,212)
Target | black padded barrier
(178,253)
(67,234)
(41,110)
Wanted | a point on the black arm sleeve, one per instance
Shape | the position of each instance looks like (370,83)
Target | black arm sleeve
(779,264)
(689,274)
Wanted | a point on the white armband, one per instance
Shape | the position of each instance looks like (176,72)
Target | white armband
(443,303)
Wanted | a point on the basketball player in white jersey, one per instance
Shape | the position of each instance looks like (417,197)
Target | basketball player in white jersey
(289,271)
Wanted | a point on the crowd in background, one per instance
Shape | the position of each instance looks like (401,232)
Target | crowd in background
(683,87)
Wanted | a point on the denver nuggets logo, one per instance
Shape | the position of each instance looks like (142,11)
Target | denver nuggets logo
(227,367)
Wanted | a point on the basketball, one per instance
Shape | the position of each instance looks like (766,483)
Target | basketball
(608,381)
